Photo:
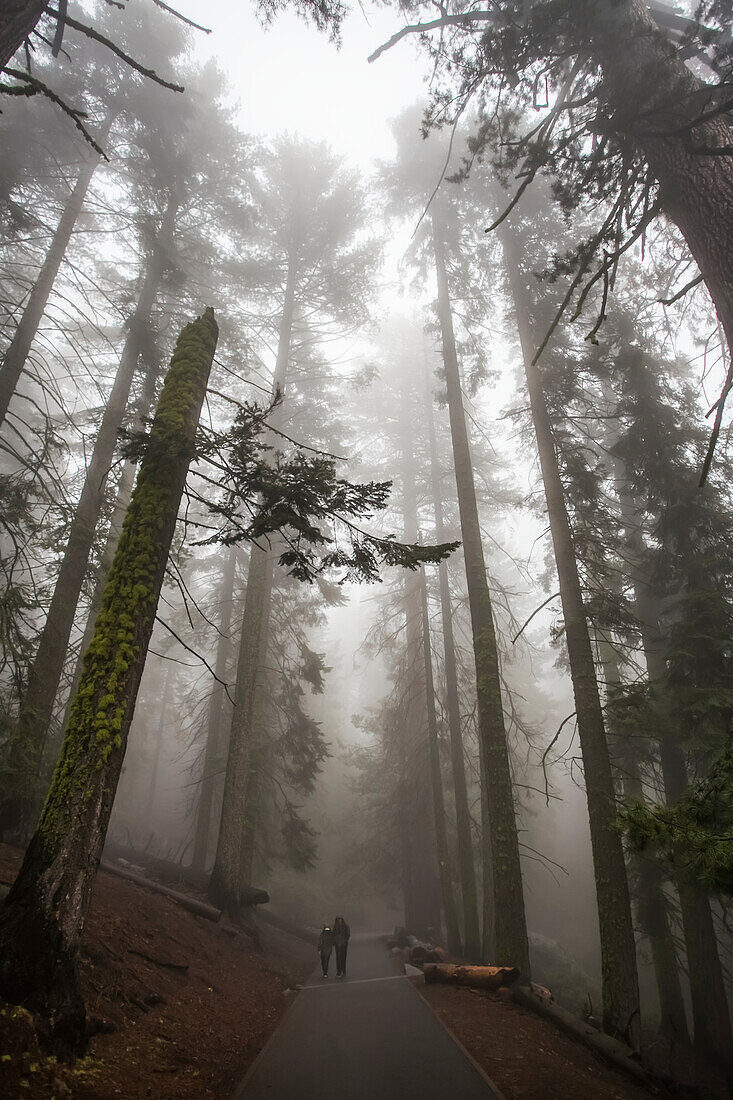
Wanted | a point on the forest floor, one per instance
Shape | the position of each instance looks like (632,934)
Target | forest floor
(530,1058)
(186,1004)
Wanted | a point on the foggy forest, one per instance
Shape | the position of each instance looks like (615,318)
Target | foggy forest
(366,549)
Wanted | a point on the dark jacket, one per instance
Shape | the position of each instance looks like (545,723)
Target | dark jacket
(341,932)
(325,941)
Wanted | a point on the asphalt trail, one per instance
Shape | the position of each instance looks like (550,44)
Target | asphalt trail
(368,1037)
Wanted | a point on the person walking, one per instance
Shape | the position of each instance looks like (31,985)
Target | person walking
(325,945)
(341,933)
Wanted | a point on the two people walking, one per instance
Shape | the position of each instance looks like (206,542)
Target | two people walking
(336,936)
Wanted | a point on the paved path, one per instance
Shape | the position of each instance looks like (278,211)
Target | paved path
(368,1037)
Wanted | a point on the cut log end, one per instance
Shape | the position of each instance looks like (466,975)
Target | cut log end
(477,977)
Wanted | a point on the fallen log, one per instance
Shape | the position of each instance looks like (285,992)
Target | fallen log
(610,1050)
(478,977)
(193,905)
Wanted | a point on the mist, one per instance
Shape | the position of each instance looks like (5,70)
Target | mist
(366,515)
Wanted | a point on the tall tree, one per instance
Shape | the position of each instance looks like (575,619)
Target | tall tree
(509,933)
(614,69)
(43,917)
(313,262)
(467,870)
(618,951)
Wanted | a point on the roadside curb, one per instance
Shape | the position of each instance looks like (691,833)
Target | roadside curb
(466,1053)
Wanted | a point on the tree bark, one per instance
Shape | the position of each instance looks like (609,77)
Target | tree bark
(618,952)
(42,919)
(510,929)
(655,99)
(125,487)
(216,714)
(467,870)
(224,885)
(36,711)
(436,781)
(16,356)
(18,19)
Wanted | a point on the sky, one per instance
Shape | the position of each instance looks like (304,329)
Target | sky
(291,78)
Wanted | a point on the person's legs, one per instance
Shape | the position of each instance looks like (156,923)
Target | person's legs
(341,960)
(325,959)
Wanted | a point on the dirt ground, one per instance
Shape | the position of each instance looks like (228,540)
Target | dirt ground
(186,1004)
(528,1058)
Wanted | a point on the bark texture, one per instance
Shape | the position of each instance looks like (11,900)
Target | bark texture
(510,929)
(18,18)
(42,919)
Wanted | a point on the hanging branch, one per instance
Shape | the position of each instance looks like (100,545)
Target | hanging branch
(183,18)
(37,87)
(535,612)
(97,37)
(681,293)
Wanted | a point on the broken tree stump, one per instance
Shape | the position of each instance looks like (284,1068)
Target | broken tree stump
(478,977)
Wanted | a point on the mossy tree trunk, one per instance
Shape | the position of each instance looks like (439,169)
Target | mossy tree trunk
(621,1014)
(37,707)
(42,919)
(503,873)
(225,876)
(466,867)
(125,486)
(16,356)
(216,715)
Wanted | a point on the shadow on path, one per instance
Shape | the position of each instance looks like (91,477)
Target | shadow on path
(367,1037)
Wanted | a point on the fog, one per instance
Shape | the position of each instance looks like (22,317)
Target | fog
(327,698)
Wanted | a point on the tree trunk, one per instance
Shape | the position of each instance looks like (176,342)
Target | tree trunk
(158,746)
(42,919)
(36,711)
(125,486)
(16,356)
(436,780)
(467,870)
(655,99)
(18,19)
(216,714)
(510,929)
(618,951)
(424,847)
(710,1014)
(259,753)
(652,908)
(224,885)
